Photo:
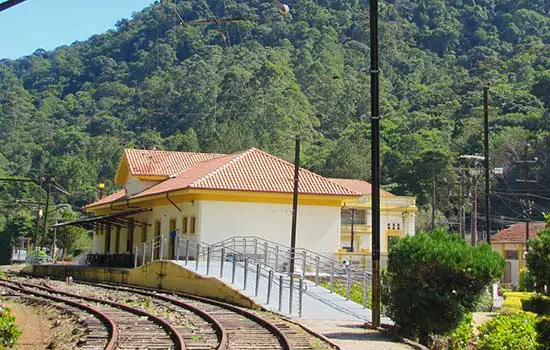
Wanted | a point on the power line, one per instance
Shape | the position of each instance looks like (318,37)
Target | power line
(9,3)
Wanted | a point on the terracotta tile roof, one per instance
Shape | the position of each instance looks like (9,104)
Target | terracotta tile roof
(516,233)
(359,186)
(118,195)
(252,171)
(163,163)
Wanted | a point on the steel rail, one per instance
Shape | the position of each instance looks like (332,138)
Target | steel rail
(220,330)
(169,329)
(284,342)
(106,320)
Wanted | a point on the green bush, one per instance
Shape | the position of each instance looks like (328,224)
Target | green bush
(433,279)
(463,336)
(509,332)
(543,332)
(538,259)
(8,329)
(526,281)
(538,304)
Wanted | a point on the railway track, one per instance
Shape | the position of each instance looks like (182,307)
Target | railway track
(98,327)
(194,323)
(238,328)
(127,327)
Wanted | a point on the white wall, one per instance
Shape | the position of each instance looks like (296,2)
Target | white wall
(318,227)
(135,185)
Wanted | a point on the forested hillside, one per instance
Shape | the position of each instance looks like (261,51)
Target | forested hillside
(222,88)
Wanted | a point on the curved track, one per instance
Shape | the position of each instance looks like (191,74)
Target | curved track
(237,328)
(129,327)
(105,337)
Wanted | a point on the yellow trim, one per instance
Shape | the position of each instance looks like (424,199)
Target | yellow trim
(188,195)
(394,233)
(123,170)
(151,177)
(408,209)
(358,228)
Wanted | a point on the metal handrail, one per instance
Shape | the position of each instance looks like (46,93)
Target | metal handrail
(259,260)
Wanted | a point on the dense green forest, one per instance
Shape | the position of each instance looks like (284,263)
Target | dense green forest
(153,82)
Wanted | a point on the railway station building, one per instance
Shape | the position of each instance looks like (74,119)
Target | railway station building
(214,197)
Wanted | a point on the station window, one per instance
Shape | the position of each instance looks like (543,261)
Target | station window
(192,224)
(184,225)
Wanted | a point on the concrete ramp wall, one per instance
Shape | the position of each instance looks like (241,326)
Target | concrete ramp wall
(158,274)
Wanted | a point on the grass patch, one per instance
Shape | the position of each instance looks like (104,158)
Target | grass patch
(355,293)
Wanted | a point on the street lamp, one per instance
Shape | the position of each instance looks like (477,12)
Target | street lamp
(101,187)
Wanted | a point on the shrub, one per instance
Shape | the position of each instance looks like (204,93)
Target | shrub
(462,337)
(8,329)
(434,279)
(538,259)
(513,302)
(509,332)
(543,332)
(538,304)
(526,281)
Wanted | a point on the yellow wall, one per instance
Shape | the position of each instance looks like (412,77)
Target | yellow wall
(159,274)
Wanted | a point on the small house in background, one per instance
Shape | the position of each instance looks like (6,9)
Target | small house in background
(510,244)
(397,218)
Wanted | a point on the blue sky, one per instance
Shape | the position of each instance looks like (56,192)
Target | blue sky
(47,24)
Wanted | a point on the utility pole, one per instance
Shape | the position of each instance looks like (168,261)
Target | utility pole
(375,161)
(527,203)
(486,147)
(526,185)
(45,223)
(462,211)
(433,203)
(474,211)
(294,206)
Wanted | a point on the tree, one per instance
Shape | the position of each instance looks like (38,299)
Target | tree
(538,259)
(433,279)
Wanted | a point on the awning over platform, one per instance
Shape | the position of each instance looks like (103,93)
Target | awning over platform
(116,219)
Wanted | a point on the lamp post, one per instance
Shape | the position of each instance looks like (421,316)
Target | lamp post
(101,187)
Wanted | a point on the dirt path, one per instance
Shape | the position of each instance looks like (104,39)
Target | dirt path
(35,327)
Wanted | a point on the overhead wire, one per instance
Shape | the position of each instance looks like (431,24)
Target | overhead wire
(9,3)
